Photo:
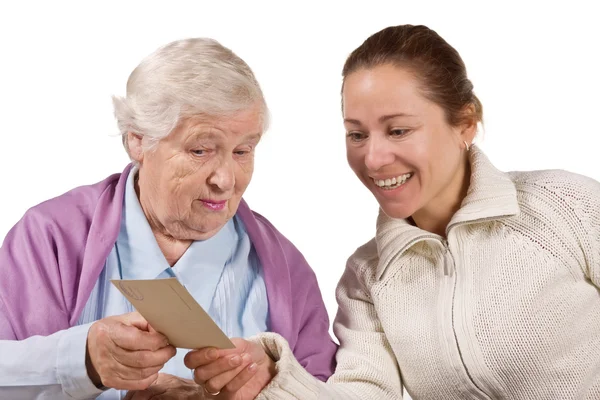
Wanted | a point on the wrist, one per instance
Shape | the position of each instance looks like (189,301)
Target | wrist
(271,367)
(91,370)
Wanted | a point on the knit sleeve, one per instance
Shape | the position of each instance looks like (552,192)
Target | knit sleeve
(575,199)
(366,365)
(588,211)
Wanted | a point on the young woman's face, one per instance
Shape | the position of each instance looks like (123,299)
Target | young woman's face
(399,143)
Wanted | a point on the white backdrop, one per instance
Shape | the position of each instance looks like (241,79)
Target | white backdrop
(534,66)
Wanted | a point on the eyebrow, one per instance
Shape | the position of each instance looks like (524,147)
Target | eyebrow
(203,135)
(382,119)
(255,136)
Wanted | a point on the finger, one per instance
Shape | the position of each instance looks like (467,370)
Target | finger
(121,377)
(136,374)
(117,365)
(197,358)
(129,395)
(221,366)
(256,351)
(207,355)
(139,395)
(241,344)
(132,338)
(243,377)
(144,358)
(117,382)
(135,319)
(152,392)
(221,381)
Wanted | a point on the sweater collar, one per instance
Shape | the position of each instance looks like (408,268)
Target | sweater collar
(491,196)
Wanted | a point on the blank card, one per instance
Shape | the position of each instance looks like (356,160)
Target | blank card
(171,310)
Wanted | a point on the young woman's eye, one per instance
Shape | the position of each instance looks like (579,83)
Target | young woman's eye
(356,136)
(398,132)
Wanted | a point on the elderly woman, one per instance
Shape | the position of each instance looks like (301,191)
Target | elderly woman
(191,120)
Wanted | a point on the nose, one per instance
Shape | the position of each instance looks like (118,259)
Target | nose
(223,176)
(379,154)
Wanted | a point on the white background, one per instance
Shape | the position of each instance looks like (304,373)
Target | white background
(534,66)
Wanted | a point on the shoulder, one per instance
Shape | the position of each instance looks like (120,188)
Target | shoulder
(558,190)
(565,207)
(65,215)
(362,265)
(79,202)
(552,180)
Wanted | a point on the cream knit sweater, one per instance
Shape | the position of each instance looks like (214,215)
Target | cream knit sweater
(507,307)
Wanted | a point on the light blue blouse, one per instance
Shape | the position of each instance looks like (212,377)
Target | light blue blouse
(222,273)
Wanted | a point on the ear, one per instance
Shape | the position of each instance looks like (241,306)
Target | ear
(134,143)
(468,128)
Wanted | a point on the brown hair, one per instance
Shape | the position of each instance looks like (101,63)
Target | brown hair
(438,65)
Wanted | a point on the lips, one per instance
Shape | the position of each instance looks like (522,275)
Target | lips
(215,205)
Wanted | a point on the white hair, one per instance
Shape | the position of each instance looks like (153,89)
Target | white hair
(182,79)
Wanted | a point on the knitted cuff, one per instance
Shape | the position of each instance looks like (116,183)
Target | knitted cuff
(292,380)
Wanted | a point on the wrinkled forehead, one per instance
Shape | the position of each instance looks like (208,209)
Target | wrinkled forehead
(236,126)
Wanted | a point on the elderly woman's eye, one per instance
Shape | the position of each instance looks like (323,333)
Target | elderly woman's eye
(242,153)
(198,152)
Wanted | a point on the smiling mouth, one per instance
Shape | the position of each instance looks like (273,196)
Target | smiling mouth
(392,183)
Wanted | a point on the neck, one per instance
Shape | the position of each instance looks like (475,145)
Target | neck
(436,216)
(172,248)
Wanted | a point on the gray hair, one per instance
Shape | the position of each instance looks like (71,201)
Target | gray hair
(182,79)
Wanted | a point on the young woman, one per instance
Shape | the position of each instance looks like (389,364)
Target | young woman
(479,284)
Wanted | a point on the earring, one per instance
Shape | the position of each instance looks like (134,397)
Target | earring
(467,146)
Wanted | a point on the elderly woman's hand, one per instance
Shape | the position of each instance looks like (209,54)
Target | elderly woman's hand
(168,387)
(235,374)
(125,352)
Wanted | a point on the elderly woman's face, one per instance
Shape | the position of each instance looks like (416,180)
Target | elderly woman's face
(191,183)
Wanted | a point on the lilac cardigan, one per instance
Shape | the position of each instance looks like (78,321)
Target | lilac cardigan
(51,259)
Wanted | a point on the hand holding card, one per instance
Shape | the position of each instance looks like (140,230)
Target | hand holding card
(172,311)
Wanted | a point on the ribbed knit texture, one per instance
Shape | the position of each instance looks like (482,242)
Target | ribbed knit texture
(507,308)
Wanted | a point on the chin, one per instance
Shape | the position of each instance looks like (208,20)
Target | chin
(214,224)
(396,211)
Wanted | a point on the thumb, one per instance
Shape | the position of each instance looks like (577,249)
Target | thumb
(255,350)
(135,319)
(152,330)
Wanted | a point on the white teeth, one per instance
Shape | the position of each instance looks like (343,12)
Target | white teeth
(392,183)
